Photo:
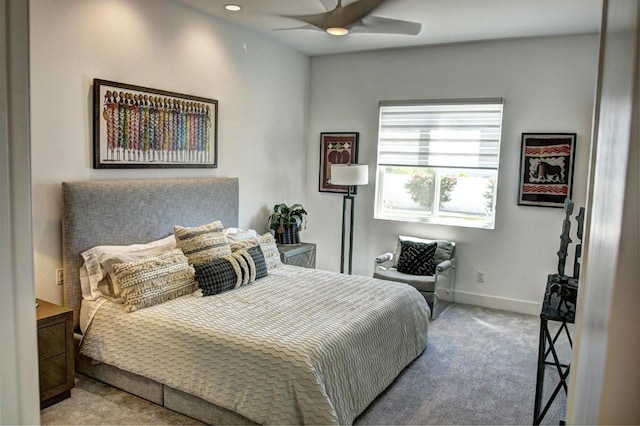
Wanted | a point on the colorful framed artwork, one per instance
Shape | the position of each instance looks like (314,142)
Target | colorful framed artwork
(546,169)
(139,127)
(336,148)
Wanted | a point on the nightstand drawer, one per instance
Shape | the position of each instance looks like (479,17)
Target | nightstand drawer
(51,340)
(55,352)
(53,372)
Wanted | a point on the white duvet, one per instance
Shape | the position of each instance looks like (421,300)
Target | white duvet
(300,346)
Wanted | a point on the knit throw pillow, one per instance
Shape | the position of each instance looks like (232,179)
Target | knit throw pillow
(154,279)
(202,244)
(270,250)
(417,258)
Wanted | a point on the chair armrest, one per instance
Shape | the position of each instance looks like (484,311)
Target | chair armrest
(384,258)
(383,261)
(444,265)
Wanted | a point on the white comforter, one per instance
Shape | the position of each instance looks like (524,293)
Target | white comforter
(300,346)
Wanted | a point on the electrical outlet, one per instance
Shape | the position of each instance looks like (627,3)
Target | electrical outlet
(480,276)
(59,276)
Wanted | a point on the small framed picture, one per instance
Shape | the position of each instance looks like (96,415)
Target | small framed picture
(546,169)
(140,127)
(336,148)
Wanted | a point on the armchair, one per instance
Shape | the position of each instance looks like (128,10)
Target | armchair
(432,287)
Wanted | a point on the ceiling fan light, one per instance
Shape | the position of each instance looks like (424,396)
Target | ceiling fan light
(338,31)
(233,7)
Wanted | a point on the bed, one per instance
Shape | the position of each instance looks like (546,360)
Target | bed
(298,346)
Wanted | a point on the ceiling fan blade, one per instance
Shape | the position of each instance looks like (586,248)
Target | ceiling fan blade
(357,10)
(320,20)
(303,27)
(378,25)
(341,16)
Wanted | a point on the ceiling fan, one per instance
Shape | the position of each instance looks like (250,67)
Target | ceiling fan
(355,18)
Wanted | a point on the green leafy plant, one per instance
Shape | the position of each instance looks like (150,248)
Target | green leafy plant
(489,194)
(284,216)
(421,188)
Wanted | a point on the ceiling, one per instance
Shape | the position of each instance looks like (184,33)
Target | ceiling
(443,21)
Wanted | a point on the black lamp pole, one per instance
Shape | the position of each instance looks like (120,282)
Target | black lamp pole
(350,197)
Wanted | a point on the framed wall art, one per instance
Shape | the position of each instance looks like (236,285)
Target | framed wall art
(336,148)
(546,169)
(139,127)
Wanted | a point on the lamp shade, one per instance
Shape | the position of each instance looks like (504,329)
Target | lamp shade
(349,174)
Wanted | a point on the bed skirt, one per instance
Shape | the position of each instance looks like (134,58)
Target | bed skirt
(173,399)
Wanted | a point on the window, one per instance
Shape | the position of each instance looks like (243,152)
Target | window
(438,161)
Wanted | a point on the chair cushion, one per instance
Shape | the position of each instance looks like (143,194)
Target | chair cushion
(417,258)
(423,283)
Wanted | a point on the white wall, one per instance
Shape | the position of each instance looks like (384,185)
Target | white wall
(547,85)
(265,94)
(605,374)
(19,396)
(262,89)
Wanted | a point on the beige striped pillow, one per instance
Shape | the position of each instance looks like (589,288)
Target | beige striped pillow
(202,244)
(269,248)
(155,279)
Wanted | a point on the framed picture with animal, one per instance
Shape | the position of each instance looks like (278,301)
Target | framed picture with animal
(546,169)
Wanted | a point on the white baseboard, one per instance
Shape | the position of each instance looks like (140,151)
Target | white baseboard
(502,303)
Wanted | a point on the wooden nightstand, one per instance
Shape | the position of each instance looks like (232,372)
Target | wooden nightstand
(55,352)
(303,254)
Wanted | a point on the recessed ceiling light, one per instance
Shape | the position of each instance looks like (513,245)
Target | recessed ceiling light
(233,7)
(338,31)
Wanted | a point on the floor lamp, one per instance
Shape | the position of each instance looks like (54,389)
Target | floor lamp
(348,175)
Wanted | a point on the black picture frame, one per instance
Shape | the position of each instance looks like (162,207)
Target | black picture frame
(546,169)
(139,127)
(336,148)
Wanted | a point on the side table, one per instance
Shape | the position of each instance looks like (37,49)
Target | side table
(553,309)
(303,254)
(55,352)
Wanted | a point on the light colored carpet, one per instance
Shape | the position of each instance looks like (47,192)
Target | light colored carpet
(479,368)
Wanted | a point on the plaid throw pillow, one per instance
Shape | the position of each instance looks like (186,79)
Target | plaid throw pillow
(417,258)
(229,272)
(259,262)
(218,276)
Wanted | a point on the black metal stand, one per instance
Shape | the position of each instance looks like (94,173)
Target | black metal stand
(344,221)
(552,310)
(559,304)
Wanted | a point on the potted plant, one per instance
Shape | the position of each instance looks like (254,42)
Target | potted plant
(286,221)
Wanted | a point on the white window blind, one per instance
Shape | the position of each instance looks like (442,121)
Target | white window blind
(438,161)
(440,134)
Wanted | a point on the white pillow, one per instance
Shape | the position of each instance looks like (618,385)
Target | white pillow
(97,277)
(239,234)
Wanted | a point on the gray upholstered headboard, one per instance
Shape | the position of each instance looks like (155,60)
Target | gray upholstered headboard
(123,212)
